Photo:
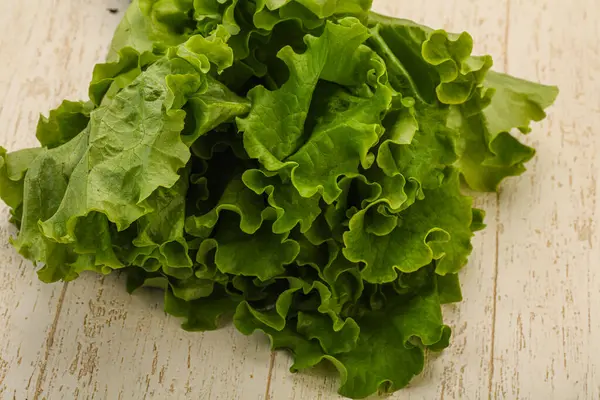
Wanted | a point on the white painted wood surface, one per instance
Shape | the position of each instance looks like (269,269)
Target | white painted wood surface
(528,328)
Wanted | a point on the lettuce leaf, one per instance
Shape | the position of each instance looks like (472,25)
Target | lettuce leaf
(491,153)
(295,165)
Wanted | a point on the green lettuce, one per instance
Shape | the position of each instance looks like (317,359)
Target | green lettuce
(295,165)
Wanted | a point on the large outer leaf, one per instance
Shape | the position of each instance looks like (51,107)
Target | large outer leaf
(126,157)
(115,166)
(491,153)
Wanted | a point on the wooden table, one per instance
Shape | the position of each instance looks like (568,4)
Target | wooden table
(529,326)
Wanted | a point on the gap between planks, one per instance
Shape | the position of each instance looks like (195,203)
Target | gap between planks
(49,343)
(270,374)
(496,261)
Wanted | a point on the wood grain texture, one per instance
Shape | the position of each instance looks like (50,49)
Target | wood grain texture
(115,346)
(548,280)
(528,326)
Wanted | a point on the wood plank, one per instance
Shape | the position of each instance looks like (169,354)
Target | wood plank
(548,328)
(463,370)
(45,58)
(103,343)
(116,346)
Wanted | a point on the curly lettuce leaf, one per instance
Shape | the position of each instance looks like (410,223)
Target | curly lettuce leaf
(13,167)
(63,123)
(236,198)
(274,128)
(203,314)
(434,228)
(263,254)
(153,25)
(385,357)
(212,107)
(292,209)
(389,355)
(490,152)
(160,238)
(417,145)
(427,64)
